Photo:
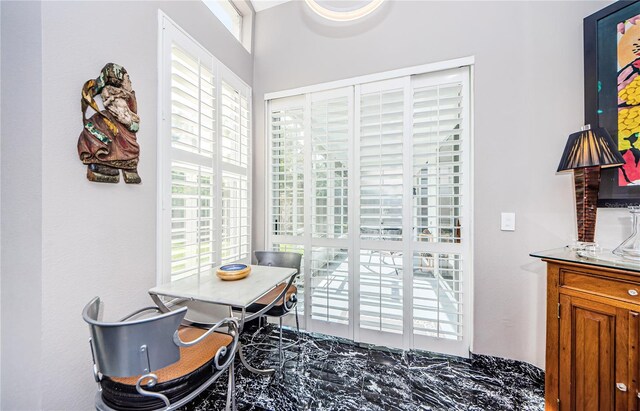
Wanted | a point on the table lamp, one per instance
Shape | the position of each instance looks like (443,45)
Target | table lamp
(585,153)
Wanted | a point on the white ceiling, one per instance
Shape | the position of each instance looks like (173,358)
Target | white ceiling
(337,5)
(260,5)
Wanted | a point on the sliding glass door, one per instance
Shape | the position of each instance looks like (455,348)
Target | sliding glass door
(371,183)
(330,260)
(440,211)
(379,144)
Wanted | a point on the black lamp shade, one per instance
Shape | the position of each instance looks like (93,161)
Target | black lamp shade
(589,148)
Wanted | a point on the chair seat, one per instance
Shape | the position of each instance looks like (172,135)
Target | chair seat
(191,358)
(278,309)
(273,294)
(176,380)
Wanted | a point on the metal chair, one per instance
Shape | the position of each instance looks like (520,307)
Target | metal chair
(289,299)
(143,362)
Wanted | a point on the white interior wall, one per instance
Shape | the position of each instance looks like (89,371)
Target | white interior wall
(0,206)
(528,98)
(66,239)
(21,193)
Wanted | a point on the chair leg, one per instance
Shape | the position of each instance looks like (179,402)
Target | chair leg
(297,320)
(231,389)
(280,344)
(261,325)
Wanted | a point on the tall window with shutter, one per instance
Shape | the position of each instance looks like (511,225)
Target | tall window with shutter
(234,148)
(204,160)
(330,133)
(287,168)
(440,207)
(287,196)
(380,151)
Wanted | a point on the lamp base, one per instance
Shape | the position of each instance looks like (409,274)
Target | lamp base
(587,183)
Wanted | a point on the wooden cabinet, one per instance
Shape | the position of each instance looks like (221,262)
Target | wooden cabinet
(593,331)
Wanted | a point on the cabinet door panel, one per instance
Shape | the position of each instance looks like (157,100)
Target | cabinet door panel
(587,355)
(633,363)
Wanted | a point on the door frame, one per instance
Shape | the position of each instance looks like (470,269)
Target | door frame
(408,339)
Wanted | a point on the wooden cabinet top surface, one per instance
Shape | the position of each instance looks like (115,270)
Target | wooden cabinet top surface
(603,260)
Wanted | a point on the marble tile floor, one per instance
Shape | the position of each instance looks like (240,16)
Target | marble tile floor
(327,373)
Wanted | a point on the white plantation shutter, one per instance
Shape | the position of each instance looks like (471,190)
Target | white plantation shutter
(329,166)
(204,157)
(287,167)
(235,218)
(438,295)
(440,210)
(285,223)
(381,162)
(381,303)
(331,134)
(437,161)
(329,287)
(234,159)
(234,116)
(193,180)
(309,181)
(381,143)
(185,104)
(193,238)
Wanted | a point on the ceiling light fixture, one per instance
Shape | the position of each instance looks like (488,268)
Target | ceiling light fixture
(343,15)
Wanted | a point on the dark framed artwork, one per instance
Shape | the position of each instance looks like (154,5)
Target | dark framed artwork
(612,94)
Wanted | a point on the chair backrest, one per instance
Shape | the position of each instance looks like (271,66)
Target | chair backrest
(279,259)
(133,347)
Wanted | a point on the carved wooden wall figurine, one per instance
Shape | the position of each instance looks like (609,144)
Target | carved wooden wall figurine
(108,143)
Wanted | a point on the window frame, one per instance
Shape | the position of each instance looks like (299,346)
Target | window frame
(246,14)
(170,33)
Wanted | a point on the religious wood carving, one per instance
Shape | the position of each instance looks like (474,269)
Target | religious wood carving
(108,142)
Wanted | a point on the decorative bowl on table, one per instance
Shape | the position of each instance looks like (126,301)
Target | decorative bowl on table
(232,272)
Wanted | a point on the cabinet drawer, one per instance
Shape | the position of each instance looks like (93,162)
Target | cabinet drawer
(618,289)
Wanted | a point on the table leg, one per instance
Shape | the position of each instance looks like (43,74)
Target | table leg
(159,303)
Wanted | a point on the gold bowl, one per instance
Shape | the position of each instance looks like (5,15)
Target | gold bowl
(232,272)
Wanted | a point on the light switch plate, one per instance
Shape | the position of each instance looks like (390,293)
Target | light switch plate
(508,221)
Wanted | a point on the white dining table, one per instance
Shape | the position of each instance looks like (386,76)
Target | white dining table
(238,294)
